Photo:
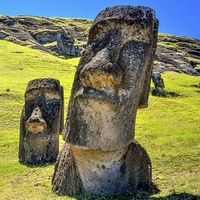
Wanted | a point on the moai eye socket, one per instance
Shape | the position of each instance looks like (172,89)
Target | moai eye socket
(52,106)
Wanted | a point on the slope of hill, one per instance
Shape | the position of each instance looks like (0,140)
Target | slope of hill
(174,53)
(43,33)
(180,54)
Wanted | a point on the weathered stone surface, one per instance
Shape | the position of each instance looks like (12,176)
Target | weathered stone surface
(3,35)
(111,73)
(46,36)
(179,54)
(159,86)
(41,121)
(42,33)
(102,173)
(65,44)
(112,81)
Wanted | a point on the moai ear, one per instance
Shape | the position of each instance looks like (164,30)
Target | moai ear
(143,103)
(62,109)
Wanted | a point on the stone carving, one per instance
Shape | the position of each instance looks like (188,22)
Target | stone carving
(159,86)
(112,81)
(41,121)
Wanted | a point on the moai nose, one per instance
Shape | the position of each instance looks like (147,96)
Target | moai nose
(101,74)
(36,123)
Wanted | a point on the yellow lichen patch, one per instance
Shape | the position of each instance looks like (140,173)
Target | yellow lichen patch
(99,80)
(35,127)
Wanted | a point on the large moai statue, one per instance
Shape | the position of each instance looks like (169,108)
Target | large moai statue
(41,121)
(112,81)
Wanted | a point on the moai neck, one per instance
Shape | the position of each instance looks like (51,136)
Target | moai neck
(96,169)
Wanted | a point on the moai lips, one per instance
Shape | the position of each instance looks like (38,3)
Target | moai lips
(41,121)
(112,81)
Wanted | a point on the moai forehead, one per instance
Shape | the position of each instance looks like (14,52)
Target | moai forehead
(112,79)
(46,85)
(138,23)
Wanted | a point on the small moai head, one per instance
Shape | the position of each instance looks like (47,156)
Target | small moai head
(112,79)
(41,121)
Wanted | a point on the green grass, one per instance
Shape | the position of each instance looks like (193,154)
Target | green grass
(192,59)
(168,129)
(19,65)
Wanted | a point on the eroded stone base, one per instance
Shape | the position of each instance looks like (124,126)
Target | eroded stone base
(79,171)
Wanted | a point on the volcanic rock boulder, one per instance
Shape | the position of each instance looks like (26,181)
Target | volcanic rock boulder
(112,81)
(41,121)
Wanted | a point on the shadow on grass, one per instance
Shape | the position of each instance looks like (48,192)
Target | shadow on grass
(144,193)
(36,165)
(180,196)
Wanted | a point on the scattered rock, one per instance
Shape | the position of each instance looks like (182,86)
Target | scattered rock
(179,54)
(43,33)
(65,45)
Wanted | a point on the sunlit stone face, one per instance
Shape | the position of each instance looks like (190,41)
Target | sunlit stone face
(111,82)
(42,105)
(41,121)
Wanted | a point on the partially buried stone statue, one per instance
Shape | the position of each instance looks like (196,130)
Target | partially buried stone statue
(41,121)
(159,86)
(112,81)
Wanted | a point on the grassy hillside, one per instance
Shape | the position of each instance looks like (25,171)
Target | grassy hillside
(177,53)
(168,129)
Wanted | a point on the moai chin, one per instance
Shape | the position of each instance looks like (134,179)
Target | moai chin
(41,121)
(112,81)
